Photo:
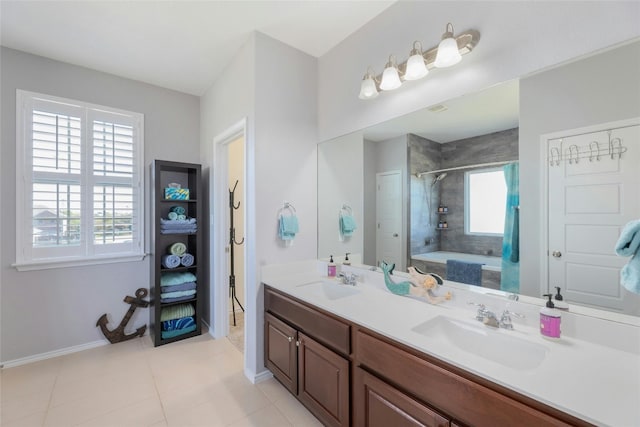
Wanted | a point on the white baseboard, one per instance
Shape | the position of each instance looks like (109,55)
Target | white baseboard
(259,377)
(52,354)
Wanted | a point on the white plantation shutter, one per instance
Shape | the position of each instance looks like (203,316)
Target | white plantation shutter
(80,181)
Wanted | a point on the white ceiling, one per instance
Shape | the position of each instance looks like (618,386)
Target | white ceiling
(491,110)
(181,45)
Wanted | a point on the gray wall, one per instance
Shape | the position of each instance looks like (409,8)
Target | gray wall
(49,310)
(597,89)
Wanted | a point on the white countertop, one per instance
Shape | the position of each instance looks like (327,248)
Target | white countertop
(593,381)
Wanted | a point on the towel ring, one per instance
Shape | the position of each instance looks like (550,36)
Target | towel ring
(346,208)
(287,207)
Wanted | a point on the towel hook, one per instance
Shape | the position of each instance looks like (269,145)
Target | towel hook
(591,151)
(554,150)
(571,147)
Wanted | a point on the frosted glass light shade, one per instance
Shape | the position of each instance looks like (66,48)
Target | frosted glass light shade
(390,78)
(448,53)
(416,68)
(368,89)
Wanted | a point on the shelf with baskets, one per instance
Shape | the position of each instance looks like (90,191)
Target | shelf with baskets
(177,279)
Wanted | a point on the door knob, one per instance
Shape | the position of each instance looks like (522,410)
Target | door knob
(395,234)
(556,254)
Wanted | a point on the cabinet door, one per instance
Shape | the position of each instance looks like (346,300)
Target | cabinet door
(377,404)
(323,382)
(280,351)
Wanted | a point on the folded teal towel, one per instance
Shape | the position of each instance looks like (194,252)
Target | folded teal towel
(288,227)
(168,279)
(177,332)
(347,224)
(177,294)
(628,245)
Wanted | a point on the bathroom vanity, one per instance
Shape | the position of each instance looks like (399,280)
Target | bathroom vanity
(359,355)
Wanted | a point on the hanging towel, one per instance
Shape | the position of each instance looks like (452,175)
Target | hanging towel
(187,260)
(515,236)
(347,224)
(170,261)
(177,248)
(628,245)
(288,227)
(464,272)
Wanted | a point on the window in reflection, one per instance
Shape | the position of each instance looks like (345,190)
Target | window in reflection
(485,200)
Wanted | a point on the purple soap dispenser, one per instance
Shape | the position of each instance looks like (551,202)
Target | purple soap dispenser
(550,319)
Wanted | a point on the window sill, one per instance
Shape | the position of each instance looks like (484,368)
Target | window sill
(77,262)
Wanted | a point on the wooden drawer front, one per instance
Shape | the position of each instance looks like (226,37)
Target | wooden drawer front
(378,404)
(321,327)
(280,353)
(323,382)
(472,404)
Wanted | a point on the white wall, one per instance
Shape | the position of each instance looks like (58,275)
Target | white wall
(594,90)
(285,161)
(340,181)
(516,38)
(50,310)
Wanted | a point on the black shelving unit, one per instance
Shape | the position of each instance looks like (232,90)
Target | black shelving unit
(188,175)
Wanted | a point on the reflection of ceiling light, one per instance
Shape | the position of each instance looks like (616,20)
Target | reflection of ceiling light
(448,53)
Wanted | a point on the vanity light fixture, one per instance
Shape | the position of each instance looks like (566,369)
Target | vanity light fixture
(449,52)
(390,76)
(416,67)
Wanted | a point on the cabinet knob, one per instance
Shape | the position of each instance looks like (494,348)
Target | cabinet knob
(290,339)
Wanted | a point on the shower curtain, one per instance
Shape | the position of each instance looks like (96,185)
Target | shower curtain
(510,280)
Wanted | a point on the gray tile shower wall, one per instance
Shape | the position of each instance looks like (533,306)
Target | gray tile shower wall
(425,155)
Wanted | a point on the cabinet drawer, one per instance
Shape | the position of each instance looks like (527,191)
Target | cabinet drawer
(323,328)
(473,404)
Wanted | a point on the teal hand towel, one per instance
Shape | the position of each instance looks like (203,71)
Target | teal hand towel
(628,245)
(347,225)
(288,227)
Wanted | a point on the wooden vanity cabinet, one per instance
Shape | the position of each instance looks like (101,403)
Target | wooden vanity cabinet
(303,348)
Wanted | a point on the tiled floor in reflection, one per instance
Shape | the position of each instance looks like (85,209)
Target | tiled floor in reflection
(195,382)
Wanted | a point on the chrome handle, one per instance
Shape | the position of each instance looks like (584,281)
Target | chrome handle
(556,254)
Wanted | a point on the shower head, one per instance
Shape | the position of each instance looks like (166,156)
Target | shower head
(439,178)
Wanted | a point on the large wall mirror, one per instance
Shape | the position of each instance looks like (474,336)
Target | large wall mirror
(469,181)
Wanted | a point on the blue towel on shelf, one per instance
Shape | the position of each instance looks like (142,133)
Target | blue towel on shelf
(187,260)
(170,261)
(288,227)
(347,224)
(181,287)
(177,299)
(168,279)
(628,245)
(174,294)
(181,323)
(464,272)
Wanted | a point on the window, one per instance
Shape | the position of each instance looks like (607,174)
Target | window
(485,202)
(79,183)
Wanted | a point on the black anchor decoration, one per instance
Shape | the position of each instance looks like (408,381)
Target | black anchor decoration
(118,335)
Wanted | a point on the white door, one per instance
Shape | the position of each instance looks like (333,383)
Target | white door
(592,194)
(389,218)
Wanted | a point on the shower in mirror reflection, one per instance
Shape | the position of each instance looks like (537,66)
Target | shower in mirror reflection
(429,194)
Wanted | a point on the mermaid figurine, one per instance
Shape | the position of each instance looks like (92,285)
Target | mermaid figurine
(420,285)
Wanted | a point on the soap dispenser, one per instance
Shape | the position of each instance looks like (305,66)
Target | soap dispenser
(331,267)
(559,300)
(550,319)
(346,259)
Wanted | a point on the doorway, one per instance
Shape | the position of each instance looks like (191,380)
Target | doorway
(389,219)
(235,252)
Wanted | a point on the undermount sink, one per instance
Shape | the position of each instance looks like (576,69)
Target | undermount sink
(500,346)
(332,290)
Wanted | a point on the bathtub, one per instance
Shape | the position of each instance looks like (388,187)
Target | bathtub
(491,263)
(435,262)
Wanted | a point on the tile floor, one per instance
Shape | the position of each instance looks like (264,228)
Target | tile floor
(195,382)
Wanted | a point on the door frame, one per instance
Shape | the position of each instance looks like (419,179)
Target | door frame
(219,272)
(544,188)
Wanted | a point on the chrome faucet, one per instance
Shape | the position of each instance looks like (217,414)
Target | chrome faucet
(489,318)
(348,278)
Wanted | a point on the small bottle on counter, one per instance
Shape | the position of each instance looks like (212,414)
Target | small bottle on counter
(558,300)
(346,259)
(550,319)
(331,267)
